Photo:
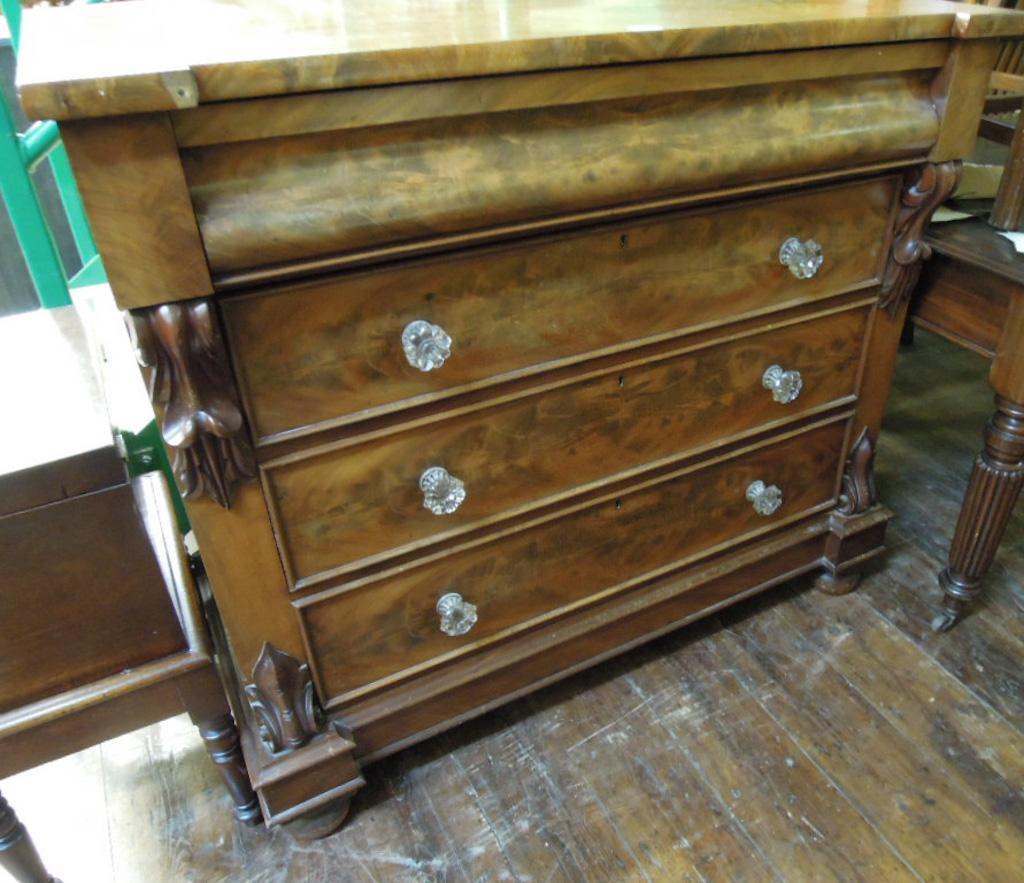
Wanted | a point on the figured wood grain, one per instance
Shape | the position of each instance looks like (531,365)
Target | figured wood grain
(290,198)
(321,353)
(614,769)
(428,704)
(250,48)
(391,624)
(250,120)
(129,174)
(358,500)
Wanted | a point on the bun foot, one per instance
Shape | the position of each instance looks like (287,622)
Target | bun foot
(318,824)
(837,583)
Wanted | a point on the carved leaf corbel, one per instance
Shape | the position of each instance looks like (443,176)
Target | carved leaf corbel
(924,190)
(858,492)
(283,700)
(189,383)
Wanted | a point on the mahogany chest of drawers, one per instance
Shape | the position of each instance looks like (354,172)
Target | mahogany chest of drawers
(493,339)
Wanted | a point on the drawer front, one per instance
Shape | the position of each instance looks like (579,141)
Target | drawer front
(333,351)
(284,199)
(367,632)
(361,501)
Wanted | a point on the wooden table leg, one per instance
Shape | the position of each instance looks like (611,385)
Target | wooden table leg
(18,854)
(995,481)
(220,735)
(991,494)
(203,698)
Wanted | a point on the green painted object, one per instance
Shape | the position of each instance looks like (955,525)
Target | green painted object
(20,154)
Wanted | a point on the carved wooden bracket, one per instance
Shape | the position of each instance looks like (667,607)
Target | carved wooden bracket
(190,386)
(282,697)
(924,190)
(858,493)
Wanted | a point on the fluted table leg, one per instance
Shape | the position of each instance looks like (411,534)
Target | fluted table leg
(991,494)
(18,854)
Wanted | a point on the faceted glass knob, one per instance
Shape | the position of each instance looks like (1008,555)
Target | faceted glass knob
(458,616)
(804,258)
(443,493)
(765,499)
(426,346)
(785,386)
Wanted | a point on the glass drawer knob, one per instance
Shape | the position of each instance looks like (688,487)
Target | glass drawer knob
(443,493)
(426,346)
(803,257)
(785,386)
(458,616)
(765,499)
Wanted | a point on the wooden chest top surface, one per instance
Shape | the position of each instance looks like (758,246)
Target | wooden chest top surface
(166,54)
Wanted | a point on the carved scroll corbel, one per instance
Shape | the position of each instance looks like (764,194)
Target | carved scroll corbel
(924,190)
(189,381)
(283,700)
(858,490)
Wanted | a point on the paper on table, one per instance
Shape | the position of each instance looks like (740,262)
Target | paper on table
(1016,238)
(942,213)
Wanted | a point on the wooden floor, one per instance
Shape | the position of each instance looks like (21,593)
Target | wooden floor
(798,737)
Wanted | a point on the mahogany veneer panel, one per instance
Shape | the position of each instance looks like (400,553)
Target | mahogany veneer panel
(288,198)
(359,500)
(371,630)
(329,352)
(550,201)
(153,58)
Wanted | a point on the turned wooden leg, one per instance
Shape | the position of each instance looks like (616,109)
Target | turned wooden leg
(18,854)
(220,735)
(991,493)
(202,695)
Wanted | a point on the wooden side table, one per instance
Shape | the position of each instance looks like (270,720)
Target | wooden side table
(100,619)
(972,292)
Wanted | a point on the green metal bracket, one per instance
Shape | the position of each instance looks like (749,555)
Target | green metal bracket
(145,452)
(27,218)
(12,12)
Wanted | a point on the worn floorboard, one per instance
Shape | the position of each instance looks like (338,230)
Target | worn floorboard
(796,737)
